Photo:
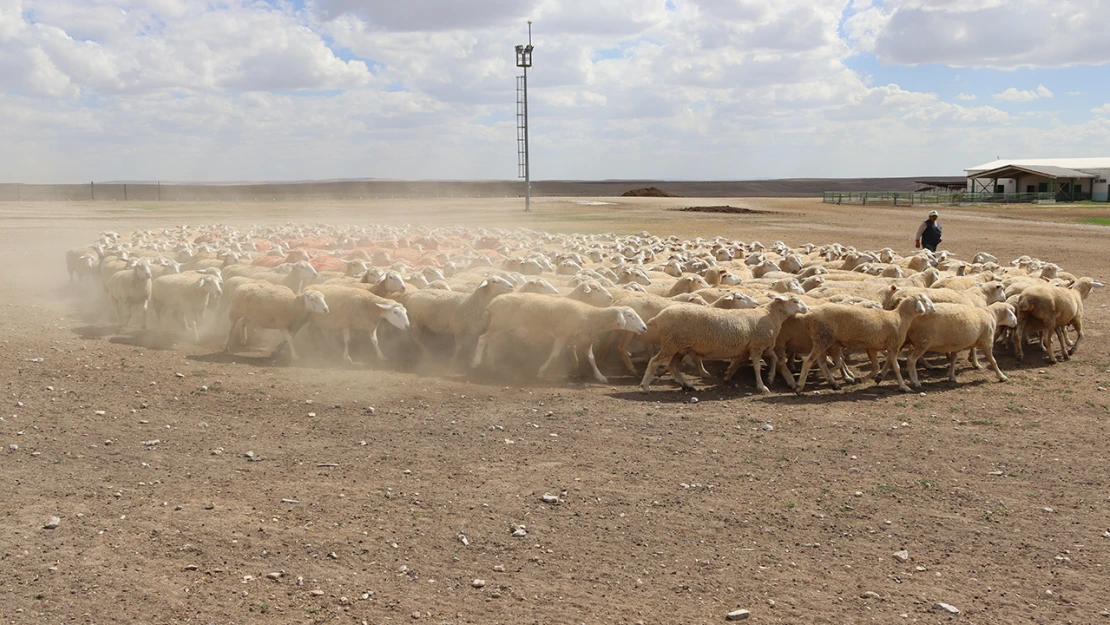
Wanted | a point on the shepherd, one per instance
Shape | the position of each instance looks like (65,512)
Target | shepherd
(928,233)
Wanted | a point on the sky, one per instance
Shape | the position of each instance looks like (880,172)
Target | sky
(268,90)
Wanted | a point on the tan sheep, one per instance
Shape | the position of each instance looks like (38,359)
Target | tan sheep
(1050,309)
(855,327)
(352,308)
(448,312)
(185,295)
(562,320)
(271,306)
(716,334)
(955,327)
(128,289)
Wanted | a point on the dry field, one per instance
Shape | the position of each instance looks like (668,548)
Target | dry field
(669,511)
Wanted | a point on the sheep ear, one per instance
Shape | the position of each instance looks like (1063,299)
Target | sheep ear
(383,306)
(483,283)
(587,288)
(1097,284)
(622,320)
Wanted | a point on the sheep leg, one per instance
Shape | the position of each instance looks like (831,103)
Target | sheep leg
(652,367)
(556,349)
(347,346)
(733,366)
(416,330)
(480,351)
(911,366)
(1046,343)
(845,371)
(622,347)
(374,342)
(1019,338)
(593,364)
(757,362)
(1076,323)
(231,334)
(288,341)
(877,374)
(823,365)
(1063,340)
(892,361)
(989,353)
(676,371)
(973,357)
(784,370)
(952,365)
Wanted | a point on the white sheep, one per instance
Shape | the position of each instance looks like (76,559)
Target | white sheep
(128,289)
(352,308)
(955,327)
(855,327)
(271,306)
(1050,309)
(448,312)
(184,294)
(83,262)
(711,333)
(564,321)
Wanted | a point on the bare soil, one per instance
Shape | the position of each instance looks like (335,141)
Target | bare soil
(669,511)
(719,209)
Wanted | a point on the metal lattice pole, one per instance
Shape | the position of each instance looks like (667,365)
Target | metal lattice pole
(524,61)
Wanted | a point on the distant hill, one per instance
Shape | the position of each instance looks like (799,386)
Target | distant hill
(382,188)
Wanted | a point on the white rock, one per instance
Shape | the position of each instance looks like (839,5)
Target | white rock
(901,556)
(768,427)
(949,608)
(520,532)
(275,575)
(52,523)
(549,498)
(478,583)
(871,594)
(737,615)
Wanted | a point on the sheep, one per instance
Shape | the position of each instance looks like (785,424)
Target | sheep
(272,306)
(128,289)
(954,327)
(82,262)
(711,333)
(538,285)
(184,294)
(351,308)
(561,319)
(853,327)
(386,285)
(301,273)
(1049,309)
(981,295)
(447,312)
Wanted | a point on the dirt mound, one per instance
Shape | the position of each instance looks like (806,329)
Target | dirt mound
(647,192)
(718,209)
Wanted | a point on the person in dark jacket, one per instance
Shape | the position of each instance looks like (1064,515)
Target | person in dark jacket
(928,233)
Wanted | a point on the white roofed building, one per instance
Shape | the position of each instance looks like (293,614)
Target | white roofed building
(1044,179)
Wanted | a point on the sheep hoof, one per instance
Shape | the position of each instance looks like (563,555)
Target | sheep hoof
(644,389)
(602,380)
(1003,378)
(688,388)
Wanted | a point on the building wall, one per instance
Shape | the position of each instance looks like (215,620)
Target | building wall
(1099,187)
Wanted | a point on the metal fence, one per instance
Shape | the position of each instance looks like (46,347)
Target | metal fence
(892,198)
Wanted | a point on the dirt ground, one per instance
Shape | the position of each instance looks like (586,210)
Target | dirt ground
(668,511)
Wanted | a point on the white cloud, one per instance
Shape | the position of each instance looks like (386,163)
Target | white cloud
(252,89)
(1014,95)
(1101,110)
(983,33)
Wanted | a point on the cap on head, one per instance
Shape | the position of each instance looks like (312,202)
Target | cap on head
(934,214)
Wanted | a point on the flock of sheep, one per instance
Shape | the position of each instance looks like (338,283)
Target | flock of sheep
(487,293)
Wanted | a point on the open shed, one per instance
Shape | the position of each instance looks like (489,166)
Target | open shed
(1027,180)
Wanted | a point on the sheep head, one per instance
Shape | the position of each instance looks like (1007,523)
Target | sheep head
(395,314)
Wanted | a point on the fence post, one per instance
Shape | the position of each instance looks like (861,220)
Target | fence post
(92,191)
